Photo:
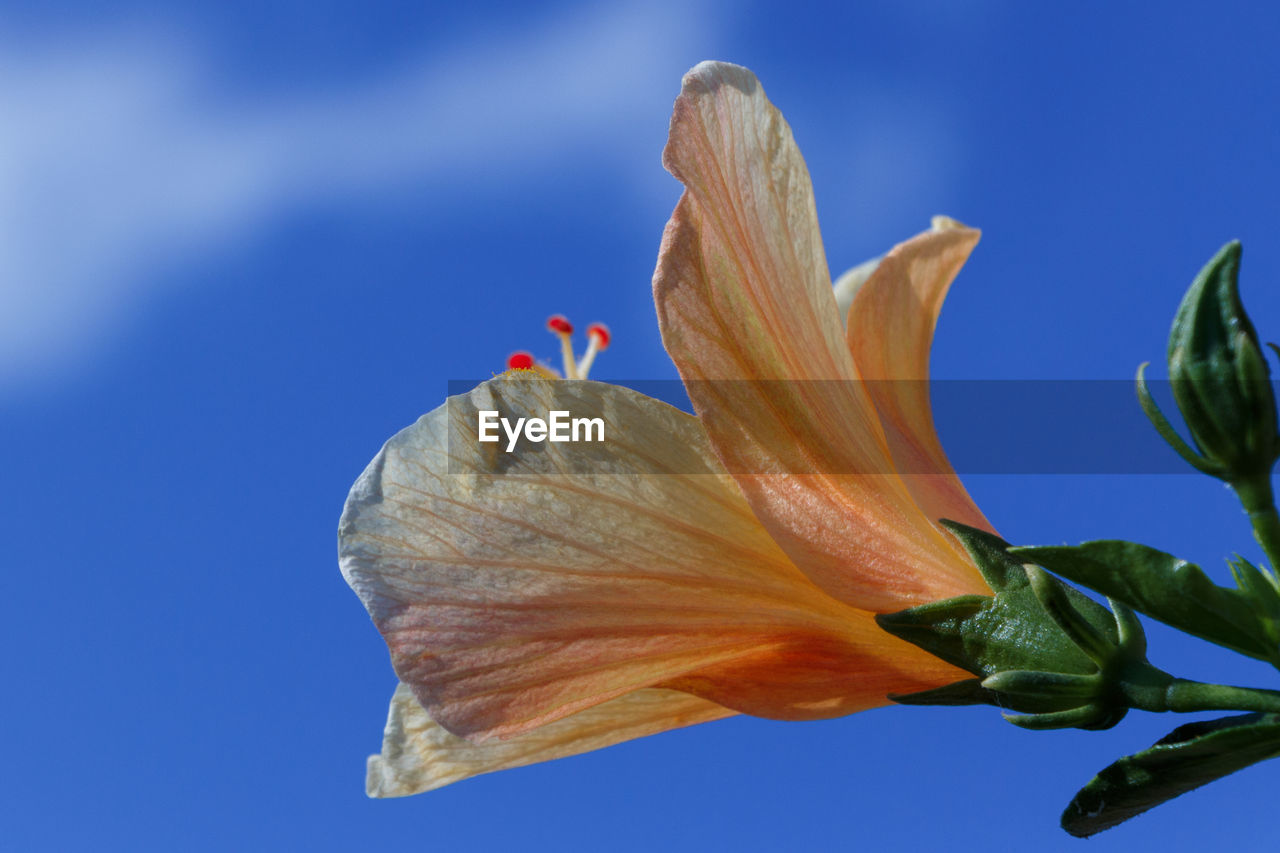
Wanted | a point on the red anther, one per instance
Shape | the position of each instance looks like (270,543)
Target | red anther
(559,324)
(600,332)
(520,361)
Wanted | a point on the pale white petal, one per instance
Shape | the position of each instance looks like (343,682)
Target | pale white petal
(420,755)
(846,286)
(514,589)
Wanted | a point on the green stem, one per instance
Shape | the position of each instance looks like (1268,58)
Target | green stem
(1259,501)
(1186,696)
(1147,688)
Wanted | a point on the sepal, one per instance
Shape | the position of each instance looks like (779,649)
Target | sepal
(1038,646)
(1067,615)
(966,692)
(1261,589)
(1157,417)
(1094,716)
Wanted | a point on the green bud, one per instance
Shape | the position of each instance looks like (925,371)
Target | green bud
(1092,700)
(1037,647)
(1220,378)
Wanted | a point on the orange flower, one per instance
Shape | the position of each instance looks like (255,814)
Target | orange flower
(536,606)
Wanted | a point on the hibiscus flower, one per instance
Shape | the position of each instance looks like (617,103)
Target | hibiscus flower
(565,597)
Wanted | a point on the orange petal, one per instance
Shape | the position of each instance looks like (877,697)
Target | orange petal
(747,313)
(421,755)
(515,589)
(847,285)
(890,331)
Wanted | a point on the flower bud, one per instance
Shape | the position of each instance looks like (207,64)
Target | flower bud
(1220,379)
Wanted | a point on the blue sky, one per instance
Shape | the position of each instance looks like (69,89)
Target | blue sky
(242,244)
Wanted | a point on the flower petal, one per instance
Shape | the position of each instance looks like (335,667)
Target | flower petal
(847,285)
(747,313)
(514,589)
(890,331)
(421,755)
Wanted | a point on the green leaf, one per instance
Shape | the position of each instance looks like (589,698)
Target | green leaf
(1164,587)
(1188,757)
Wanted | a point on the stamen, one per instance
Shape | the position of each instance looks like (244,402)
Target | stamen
(520,361)
(597,340)
(563,329)
(559,324)
(601,331)
(524,363)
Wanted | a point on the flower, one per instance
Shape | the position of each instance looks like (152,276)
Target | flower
(536,606)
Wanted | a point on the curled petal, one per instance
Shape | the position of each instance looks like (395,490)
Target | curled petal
(421,755)
(890,328)
(516,589)
(846,287)
(747,313)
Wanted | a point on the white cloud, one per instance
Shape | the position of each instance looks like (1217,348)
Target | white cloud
(118,156)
